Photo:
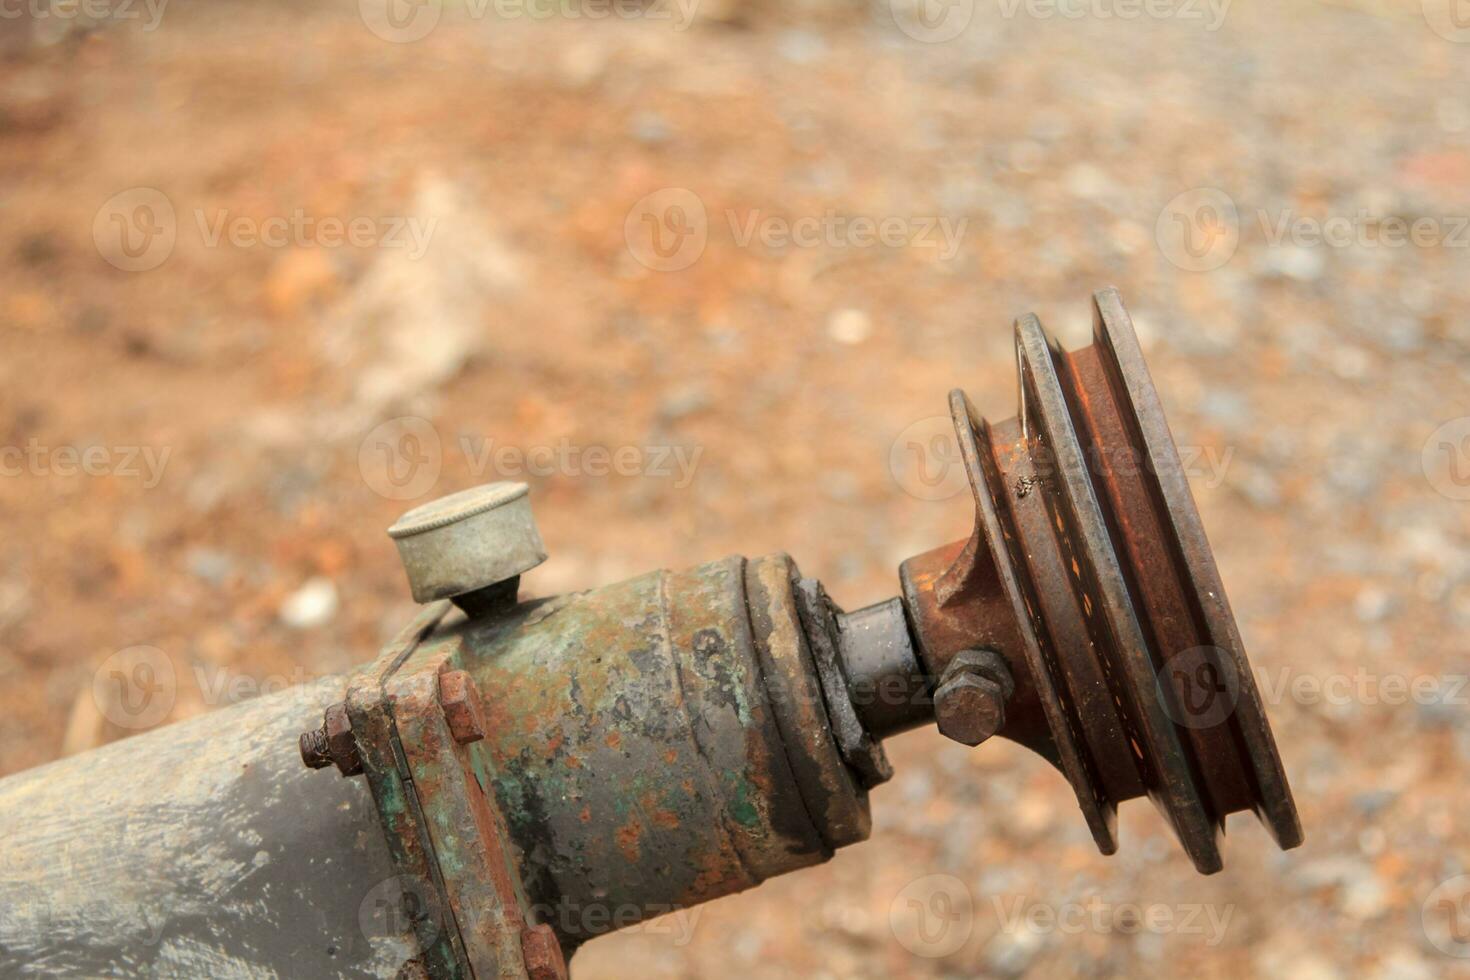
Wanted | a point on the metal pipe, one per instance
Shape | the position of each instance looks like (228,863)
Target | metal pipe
(203,849)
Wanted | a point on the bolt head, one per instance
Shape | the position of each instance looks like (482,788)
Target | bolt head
(542,953)
(341,746)
(969,708)
(460,700)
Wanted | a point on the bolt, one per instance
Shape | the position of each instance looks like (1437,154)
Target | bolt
(542,953)
(970,704)
(461,703)
(333,743)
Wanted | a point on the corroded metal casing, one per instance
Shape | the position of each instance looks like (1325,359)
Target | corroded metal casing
(468,541)
(659,742)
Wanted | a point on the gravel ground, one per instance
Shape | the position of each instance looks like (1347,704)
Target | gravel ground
(191,392)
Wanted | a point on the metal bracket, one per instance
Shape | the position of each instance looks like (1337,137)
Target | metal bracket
(445,833)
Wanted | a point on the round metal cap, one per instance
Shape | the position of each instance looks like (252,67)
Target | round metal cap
(468,540)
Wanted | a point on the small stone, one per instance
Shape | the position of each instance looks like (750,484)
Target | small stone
(1364,898)
(1373,604)
(651,128)
(1090,183)
(801,47)
(214,567)
(312,605)
(1294,262)
(1227,409)
(1011,952)
(1350,363)
(683,401)
(850,327)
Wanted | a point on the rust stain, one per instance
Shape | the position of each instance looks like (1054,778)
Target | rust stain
(629,836)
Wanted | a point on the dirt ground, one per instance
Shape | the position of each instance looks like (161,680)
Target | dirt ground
(195,371)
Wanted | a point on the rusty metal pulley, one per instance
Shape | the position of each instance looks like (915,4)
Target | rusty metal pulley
(1089,572)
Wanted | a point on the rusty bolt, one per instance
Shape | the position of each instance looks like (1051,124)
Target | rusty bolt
(332,743)
(542,953)
(461,703)
(970,704)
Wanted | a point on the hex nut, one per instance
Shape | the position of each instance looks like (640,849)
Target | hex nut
(460,700)
(332,743)
(969,708)
(542,953)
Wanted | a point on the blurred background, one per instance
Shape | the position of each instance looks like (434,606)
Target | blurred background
(702,272)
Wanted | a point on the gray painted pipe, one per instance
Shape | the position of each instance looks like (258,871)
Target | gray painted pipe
(202,849)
